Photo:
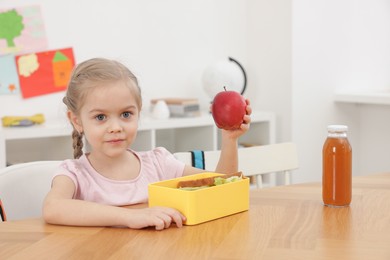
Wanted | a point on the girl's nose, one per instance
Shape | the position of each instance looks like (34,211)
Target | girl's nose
(115,127)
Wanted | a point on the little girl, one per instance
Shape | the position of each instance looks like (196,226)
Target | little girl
(104,102)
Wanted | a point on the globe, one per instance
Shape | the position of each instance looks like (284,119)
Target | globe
(229,74)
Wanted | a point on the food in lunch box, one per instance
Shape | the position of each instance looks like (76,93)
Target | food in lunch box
(210,181)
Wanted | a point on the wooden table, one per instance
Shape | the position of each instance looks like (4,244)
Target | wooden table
(287,222)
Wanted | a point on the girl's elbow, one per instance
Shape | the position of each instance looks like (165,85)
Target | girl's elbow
(49,212)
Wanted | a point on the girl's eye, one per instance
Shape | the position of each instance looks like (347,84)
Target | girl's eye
(100,117)
(126,114)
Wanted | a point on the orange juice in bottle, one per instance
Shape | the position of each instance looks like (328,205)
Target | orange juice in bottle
(337,167)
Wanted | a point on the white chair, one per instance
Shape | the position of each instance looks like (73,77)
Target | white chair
(255,161)
(24,186)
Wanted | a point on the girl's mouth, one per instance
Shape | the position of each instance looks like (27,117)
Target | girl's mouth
(115,141)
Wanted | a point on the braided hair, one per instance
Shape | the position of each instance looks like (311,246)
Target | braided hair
(77,144)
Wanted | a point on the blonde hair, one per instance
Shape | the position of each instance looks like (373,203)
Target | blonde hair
(84,78)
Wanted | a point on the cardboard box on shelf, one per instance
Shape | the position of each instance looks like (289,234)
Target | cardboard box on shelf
(181,107)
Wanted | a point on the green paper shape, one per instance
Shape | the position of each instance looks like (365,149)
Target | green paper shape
(11,26)
(59,56)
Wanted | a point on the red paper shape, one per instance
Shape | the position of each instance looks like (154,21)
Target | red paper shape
(45,72)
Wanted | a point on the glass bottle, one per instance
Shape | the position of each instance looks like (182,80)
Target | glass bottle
(337,168)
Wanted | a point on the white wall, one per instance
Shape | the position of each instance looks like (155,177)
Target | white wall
(296,52)
(167,44)
(269,60)
(340,45)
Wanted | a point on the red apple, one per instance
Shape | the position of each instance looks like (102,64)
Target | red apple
(228,109)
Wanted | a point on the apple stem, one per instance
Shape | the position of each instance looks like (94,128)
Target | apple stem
(224,87)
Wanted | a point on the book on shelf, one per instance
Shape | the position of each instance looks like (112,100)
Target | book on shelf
(181,107)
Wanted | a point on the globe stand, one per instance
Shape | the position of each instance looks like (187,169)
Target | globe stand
(243,73)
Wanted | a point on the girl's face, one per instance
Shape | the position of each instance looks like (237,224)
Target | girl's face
(109,119)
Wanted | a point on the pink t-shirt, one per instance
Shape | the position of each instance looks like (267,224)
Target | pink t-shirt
(156,165)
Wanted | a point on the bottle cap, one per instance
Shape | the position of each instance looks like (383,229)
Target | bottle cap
(337,128)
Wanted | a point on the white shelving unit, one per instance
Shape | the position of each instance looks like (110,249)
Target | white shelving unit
(52,141)
(363,97)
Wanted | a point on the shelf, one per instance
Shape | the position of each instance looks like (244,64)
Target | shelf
(51,140)
(363,97)
(48,129)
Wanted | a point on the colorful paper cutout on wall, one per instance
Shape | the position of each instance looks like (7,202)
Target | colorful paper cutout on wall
(9,81)
(22,30)
(44,72)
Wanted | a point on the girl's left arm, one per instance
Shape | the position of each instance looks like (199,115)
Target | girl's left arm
(228,161)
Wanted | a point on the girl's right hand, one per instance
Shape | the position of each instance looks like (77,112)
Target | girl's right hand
(236,133)
(159,217)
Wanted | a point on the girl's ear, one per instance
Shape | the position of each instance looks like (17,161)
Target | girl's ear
(76,122)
